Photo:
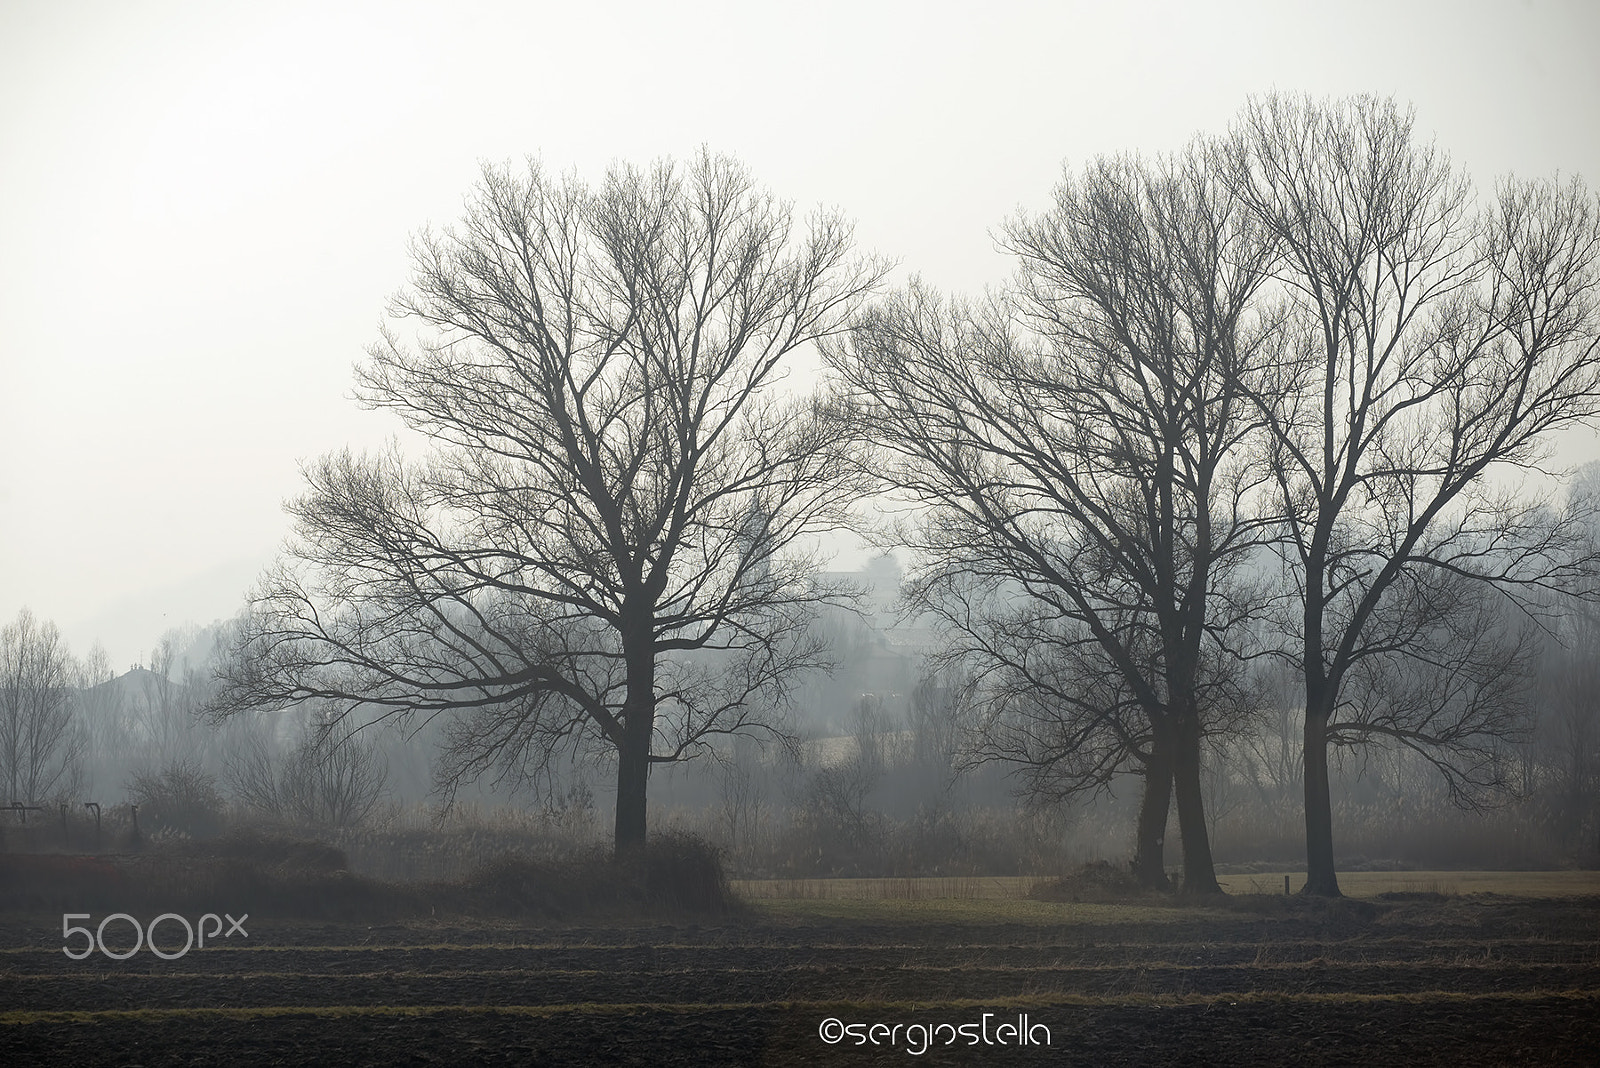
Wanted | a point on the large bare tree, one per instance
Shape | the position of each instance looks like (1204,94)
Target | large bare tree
(1430,344)
(609,542)
(1078,448)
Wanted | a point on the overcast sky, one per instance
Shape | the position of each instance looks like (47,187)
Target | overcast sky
(203,207)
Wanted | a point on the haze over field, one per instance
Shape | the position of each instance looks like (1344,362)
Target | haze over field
(205,207)
(707,533)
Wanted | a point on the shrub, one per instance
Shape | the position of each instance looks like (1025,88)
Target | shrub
(675,872)
(269,850)
(1099,881)
(180,797)
(684,872)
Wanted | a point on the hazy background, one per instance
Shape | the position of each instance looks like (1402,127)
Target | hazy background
(203,207)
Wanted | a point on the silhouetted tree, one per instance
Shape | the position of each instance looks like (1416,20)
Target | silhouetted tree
(1428,345)
(608,544)
(41,744)
(1078,447)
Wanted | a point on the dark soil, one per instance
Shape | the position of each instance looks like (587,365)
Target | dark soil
(1461,982)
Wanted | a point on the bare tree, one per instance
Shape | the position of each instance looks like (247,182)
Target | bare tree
(839,792)
(101,712)
(1564,775)
(167,703)
(935,722)
(1567,737)
(1055,709)
(334,778)
(1269,752)
(252,775)
(41,743)
(1078,447)
(743,798)
(608,544)
(1429,345)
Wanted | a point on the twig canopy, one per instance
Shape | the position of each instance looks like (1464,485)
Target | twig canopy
(608,540)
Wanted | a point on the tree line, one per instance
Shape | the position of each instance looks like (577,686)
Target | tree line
(1256,403)
(74,736)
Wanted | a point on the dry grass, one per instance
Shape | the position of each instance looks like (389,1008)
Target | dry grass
(1369,884)
(933,888)
(1006,900)
(959,911)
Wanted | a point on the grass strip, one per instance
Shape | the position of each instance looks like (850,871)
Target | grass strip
(1134,969)
(855,1009)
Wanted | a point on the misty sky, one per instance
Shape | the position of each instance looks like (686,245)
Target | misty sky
(203,207)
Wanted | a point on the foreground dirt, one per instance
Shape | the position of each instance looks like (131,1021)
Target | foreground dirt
(1472,981)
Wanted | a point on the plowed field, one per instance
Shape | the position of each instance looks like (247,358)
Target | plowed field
(1476,980)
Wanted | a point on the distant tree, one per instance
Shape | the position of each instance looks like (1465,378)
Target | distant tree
(1567,736)
(935,723)
(1079,449)
(1429,345)
(333,777)
(744,796)
(41,743)
(100,711)
(336,777)
(1270,749)
(251,774)
(608,544)
(178,796)
(167,702)
(838,793)
(1565,778)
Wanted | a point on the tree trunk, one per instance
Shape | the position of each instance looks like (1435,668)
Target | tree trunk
(1199,873)
(1148,861)
(1321,880)
(638,730)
